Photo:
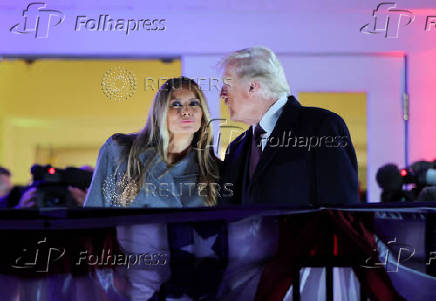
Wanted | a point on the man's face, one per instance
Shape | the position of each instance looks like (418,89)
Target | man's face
(5,184)
(235,93)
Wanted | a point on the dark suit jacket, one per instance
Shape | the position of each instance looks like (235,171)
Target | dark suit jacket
(308,160)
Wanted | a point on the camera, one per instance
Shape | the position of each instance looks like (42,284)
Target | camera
(421,175)
(52,184)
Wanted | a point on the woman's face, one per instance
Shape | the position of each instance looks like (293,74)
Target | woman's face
(184,112)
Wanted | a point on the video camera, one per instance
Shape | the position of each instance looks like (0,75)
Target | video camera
(421,173)
(391,179)
(52,184)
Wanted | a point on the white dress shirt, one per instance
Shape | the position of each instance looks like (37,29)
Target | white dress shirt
(269,119)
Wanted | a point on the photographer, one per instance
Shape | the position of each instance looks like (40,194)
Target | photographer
(5,181)
(420,176)
(27,197)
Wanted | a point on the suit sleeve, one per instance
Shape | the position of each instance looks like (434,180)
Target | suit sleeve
(226,190)
(95,196)
(335,164)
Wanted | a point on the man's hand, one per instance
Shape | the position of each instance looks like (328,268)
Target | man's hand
(78,195)
(27,200)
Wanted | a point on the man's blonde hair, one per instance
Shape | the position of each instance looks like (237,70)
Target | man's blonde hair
(260,63)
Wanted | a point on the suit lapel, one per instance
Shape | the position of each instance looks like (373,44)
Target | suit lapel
(285,124)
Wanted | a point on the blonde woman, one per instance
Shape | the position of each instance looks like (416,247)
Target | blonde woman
(170,163)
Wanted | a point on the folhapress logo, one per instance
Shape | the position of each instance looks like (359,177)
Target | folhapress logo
(388,20)
(38,20)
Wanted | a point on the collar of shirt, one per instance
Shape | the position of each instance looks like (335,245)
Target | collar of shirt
(269,119)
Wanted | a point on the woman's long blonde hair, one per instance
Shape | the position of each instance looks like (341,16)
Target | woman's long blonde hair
(155,135)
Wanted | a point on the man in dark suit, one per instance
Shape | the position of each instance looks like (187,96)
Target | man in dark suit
(291,154)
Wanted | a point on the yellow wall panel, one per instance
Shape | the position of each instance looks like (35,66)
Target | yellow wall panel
(58,107)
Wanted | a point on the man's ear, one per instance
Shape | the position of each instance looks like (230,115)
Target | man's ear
(254,86)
